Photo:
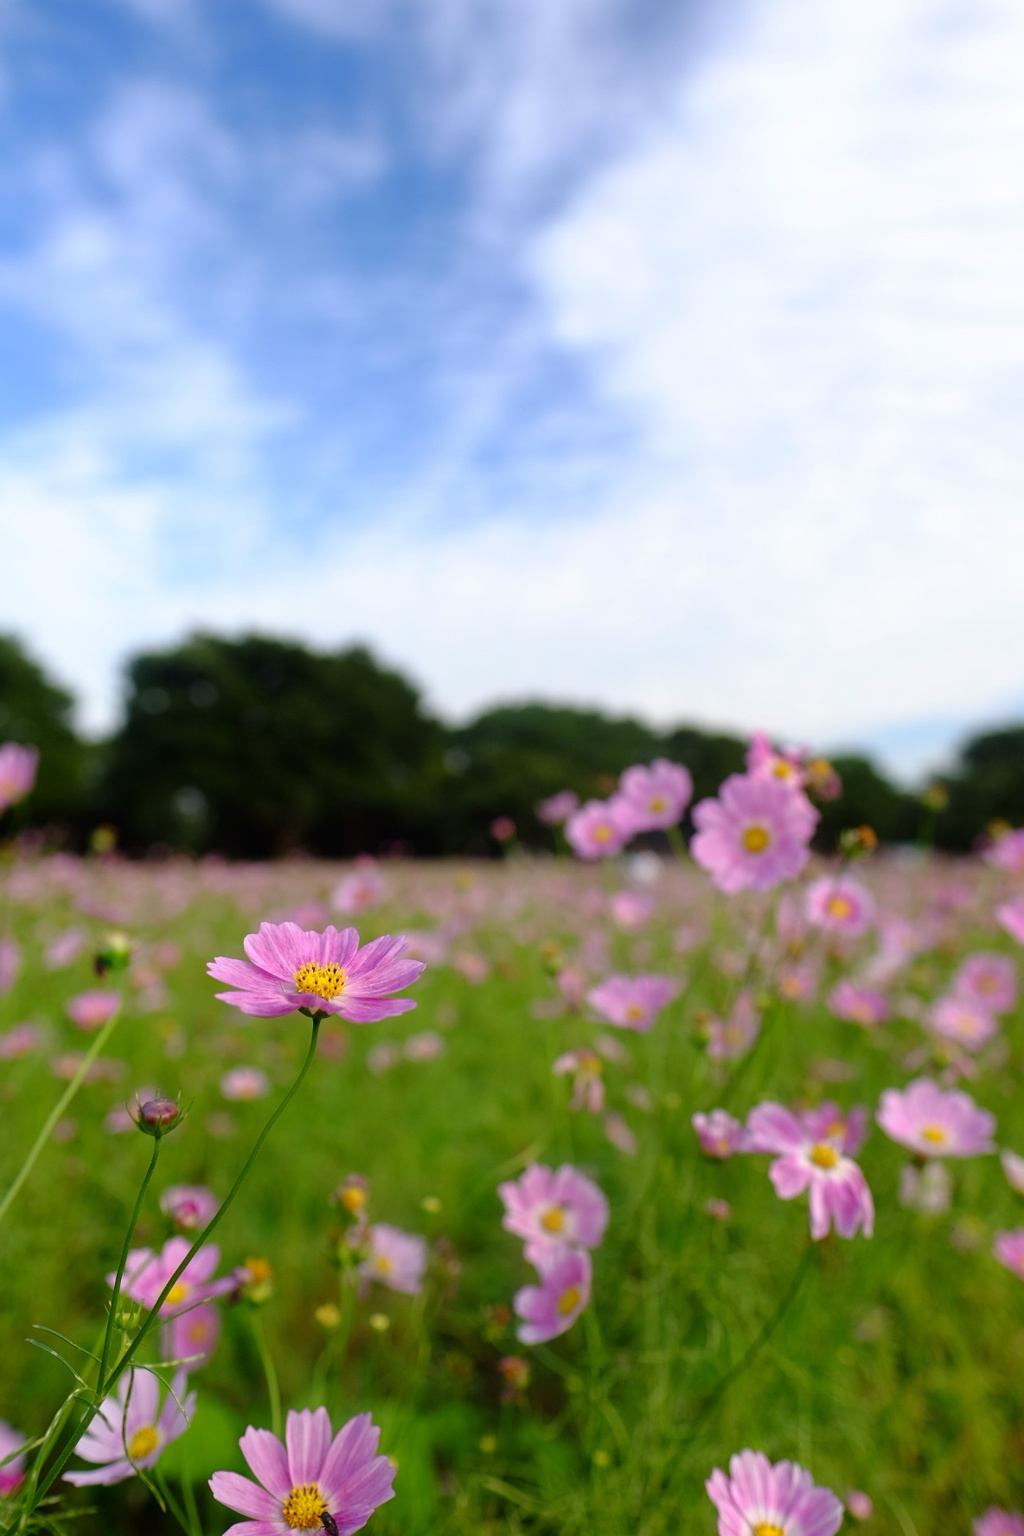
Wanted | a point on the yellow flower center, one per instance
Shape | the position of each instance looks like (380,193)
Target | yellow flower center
(321,980)
(933,1133)
(824,1156)
(782,769)
(840,906)
(658,803)
(569,1300)
(177,1293)
(143,1443)
(304,1506)
(353,1198)
(382,1264)
(634,1011)
(553,1220)
(602,833)
(756,839)
(768,1528)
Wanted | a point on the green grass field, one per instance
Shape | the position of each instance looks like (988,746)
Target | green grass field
(893,1365)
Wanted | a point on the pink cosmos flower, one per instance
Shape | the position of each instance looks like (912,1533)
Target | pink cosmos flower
(630,909)
(1011,917)
(1013,1168)
(551,1308)
(1008,1248)
(551,1208)
(861,1505)
(999,1522)
(1007,851)
(839,1193)
(840,904)
(397,1259)
(18,766)
(572,984)
(146,1274)
(91,1010)
(718,1133)
(797,981)
(588,1084)
(964,1021)
(754,835)
(131,1428)
(190,1206)
(762,1499)
(858,1005)
(327,972)
(935,1122)
(656,796)
(243,1083)
(308,1477)
(191,1338)
(731,1037)
(989,981)
(764,762)
(557,808)
(12,1472)
(827,1121)
(632,1002)
(599,829)
(10,964)
(361,890)
(63,949)
(20,1040)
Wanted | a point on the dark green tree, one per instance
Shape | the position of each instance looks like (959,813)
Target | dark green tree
(868,799)
(36,712)
(256,747)
(986,785)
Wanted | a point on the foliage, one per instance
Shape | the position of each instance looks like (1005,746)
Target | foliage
(36,712)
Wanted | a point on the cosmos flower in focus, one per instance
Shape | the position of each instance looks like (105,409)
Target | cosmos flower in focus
(309,1476)
(762,1499)
(324,972)
(754,835)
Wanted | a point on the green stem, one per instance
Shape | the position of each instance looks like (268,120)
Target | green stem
(56,1113)
(118,1369)
(119,1277)
(269,1371)
(676,841)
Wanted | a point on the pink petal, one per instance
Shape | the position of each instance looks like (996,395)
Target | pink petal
(308,1437)
(261,1005)
(352,1447)
(259,1528)
(113,1472)
(267,1460)
(281,948)
(240,1494)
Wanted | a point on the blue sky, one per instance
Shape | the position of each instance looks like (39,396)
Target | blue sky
(667,357)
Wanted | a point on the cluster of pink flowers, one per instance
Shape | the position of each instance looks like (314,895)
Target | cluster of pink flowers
(561,1215)
(648,799)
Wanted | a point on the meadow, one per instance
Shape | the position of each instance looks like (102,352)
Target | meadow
(891,1365)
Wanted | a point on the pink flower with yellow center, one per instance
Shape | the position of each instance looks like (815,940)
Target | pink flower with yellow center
(396,1259)
(936,1122)
(656,796)
(839,904)
(327,972)
(18,767)
(962,1020)
(1008,1248)
(718,1133)
(550,1208)
(858,1005)
(189,1339)
(146,1274)
(839,1193)
(754,835)
(632,1002)
(600,828)
(987,980)
(551,1308)
(131,1429)
(761,1499)
(307,1478)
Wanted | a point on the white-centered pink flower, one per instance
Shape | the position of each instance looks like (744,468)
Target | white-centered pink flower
(936,1122)
(838,1191)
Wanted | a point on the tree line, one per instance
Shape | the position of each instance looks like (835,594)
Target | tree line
(255,747)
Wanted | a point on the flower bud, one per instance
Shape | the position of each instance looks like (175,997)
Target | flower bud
(158,1116)
(115,955)
(129,1314)
(857,842)
(255,1281)
(936,796)
(352,1195)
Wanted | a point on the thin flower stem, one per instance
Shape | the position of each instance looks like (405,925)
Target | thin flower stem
(119,1276)
(269,1371)
(55,1114)
(120,1366)
(676,841)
